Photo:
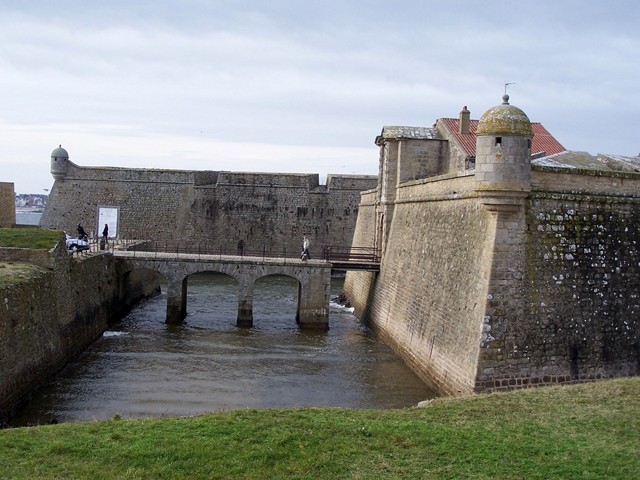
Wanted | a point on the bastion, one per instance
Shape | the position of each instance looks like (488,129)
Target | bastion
(507,261)
(228,212)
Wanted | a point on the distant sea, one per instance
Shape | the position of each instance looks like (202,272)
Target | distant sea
(27,218)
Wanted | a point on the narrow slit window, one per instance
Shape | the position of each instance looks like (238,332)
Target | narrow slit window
(498,141)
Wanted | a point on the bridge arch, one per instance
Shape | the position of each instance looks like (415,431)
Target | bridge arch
(314,281)
(214,282)
(290,288)
(129,279)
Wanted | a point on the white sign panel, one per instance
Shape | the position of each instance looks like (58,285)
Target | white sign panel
(108,216)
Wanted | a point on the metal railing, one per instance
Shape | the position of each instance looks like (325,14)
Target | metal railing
(205,248)
(338,253)
(197,249)
(330,253)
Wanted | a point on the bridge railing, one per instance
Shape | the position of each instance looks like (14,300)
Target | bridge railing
(204,248)
(330,253)
(339,253)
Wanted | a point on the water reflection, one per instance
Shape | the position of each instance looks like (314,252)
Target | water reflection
(145,368)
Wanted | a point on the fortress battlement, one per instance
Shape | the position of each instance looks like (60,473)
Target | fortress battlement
(507,261)
(252,211)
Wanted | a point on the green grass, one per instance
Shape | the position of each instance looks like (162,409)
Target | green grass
(36,238)
(585,431)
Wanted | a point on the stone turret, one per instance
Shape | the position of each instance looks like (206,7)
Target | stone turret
(503,154)
(59,163)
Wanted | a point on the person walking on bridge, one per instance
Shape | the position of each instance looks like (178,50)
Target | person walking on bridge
(105,234)
(306,243)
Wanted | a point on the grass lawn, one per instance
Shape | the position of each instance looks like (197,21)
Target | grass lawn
(584,431)
(36,238)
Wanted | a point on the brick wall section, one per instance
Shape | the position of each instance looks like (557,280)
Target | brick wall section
(219,209)
(48,319)
(7,205)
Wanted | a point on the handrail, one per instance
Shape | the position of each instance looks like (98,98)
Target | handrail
(350,253)
(330,253)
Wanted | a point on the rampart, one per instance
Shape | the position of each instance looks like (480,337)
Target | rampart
(7,205)
(233,212)
(561,307)
(50,315)
(507,261)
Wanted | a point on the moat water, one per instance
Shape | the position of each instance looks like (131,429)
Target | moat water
(144,368)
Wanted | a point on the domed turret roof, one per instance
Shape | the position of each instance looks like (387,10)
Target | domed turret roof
(60,152)
(504,119)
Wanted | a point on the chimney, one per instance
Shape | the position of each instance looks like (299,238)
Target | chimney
(463,126)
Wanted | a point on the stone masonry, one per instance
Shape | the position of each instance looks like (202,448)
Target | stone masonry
(503,271)
(225,212)
(48,316)
(313,276)
(7,205)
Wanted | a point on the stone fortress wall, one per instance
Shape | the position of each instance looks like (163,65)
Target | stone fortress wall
(7,205)
(523,276)
(264,212)
(502,267)
(54,310)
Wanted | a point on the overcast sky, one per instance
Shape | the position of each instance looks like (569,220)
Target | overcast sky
(300,86)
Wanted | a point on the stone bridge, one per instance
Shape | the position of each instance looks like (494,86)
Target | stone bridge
(313,276)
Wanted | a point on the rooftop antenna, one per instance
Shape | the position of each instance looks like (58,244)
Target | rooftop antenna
(506,84)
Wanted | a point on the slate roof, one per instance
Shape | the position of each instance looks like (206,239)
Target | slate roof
(584,160)
(542,140)
(411,133)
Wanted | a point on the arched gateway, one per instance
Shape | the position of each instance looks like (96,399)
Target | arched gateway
(314,281)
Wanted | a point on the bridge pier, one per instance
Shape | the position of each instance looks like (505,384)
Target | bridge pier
(245,307)
(176,302)
(314,296)
(313,276)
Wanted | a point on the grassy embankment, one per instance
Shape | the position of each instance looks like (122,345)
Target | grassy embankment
(35,238)
(585,431)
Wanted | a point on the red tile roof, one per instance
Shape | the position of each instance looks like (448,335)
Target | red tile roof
(542,140)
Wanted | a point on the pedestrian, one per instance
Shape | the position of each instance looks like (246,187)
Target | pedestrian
(105,234)
(306,243)
(82,235)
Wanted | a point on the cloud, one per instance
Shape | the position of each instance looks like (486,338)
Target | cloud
(258,79)
(123,146)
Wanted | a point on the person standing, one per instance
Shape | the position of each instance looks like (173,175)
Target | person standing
(82,235)
(306,243)
(105,234)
